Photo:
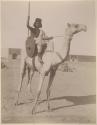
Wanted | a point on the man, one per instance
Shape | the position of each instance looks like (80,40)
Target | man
(39,35)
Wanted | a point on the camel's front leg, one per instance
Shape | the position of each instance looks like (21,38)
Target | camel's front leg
(44,70)
(31,69)
(30,76)
(42,76)
(51,78)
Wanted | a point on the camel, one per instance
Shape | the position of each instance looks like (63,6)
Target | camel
(51,61)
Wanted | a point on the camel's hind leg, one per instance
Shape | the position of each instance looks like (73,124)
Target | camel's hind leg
(51,78)
(30,71)
(23,75)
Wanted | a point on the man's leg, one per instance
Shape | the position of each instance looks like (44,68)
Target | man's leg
(39,53)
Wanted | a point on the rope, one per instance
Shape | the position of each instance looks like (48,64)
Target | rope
(59,36)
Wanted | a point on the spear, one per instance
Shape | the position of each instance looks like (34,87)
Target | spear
(28,14)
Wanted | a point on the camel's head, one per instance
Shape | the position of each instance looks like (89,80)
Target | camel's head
(75,28)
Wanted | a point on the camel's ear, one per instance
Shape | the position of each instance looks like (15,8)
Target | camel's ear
(68,24)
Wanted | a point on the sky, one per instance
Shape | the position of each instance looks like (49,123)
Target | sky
(55,16)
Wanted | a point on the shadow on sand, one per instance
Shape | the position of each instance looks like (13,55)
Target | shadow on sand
(77,100)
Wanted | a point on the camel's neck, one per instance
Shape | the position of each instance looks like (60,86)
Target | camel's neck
(64,51)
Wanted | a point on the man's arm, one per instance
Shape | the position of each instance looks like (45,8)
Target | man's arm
(48,38)
(28,26)
(45,37)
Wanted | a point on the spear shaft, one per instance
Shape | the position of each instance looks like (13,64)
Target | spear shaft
(28,14)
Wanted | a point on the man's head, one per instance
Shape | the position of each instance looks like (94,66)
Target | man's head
(37,23)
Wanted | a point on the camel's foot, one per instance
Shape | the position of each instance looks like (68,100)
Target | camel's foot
(49,108)
(17,103)
(33,111)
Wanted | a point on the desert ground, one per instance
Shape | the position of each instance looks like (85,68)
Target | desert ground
(73,96)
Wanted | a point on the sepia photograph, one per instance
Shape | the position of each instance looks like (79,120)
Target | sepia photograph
(48,62)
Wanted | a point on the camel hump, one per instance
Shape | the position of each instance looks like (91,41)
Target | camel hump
(30,46)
